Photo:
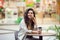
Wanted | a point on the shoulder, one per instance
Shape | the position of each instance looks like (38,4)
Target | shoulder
(22,22)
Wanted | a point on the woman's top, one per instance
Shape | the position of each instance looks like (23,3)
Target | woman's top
(23,30)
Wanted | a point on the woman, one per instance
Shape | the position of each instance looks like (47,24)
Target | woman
(27,24)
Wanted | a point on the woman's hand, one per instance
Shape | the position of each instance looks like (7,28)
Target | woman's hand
(34,19)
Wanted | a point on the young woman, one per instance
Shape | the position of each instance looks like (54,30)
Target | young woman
(27,24)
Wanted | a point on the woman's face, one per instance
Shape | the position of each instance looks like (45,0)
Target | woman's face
(30,14)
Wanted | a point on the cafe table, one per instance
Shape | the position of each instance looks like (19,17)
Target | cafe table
(41,35)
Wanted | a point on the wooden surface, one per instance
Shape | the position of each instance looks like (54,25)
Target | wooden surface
(42,34)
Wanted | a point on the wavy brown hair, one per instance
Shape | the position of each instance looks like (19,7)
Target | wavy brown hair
(27,19)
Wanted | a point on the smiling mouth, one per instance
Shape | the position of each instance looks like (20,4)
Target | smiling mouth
(29,16)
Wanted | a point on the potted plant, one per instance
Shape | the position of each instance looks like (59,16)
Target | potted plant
(56,29)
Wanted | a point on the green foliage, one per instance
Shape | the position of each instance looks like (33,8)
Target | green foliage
(18,20)
(0,9)
(38,0)
(30,5)
(23,0)
(56,29)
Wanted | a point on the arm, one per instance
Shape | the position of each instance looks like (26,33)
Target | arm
(24,28)
(34,20)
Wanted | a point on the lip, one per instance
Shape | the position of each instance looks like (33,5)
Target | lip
(29,17)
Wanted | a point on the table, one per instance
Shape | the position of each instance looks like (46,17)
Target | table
(42,34)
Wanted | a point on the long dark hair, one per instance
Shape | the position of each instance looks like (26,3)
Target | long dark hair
(27,19)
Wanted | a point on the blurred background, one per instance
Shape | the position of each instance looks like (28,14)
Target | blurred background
(47,11)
